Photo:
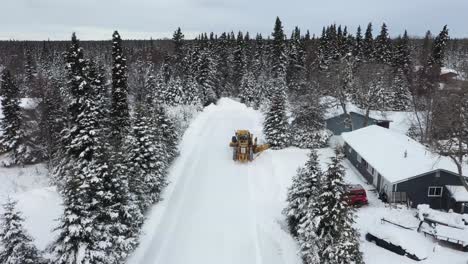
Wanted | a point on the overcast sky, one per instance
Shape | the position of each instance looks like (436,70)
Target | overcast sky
(142,19)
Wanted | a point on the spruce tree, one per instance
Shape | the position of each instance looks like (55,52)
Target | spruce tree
(275,126)
(402,56)
(359,45)
(340,241)
(18,247)
(308,124)
(278,54)
(146,159)
(11,122)
(400,96)
(247,89)
(368,44)
(295,68)
(438,49)
(168,134)
(382,44)
(173,94)
(119,109)
(303,192)
(20,136)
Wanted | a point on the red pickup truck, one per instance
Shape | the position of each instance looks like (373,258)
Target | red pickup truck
(356,195)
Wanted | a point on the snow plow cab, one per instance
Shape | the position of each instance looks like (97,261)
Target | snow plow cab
(356,195)
(245,146)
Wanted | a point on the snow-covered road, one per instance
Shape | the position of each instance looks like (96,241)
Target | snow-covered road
(216,210)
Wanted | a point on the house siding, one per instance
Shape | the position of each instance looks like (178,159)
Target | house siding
(337,124)
(352,156)
(417,189)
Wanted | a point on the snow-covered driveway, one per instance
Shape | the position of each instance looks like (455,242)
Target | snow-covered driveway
(216,210)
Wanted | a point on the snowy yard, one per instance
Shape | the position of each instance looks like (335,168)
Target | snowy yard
(219,211)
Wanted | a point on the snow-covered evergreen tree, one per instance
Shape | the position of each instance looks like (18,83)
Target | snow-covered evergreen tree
(167,132)
(11,122)
(17,246)
(278,54)
(307,128)
(368,48)
(191,92)
(340,241)
(120,117)
(173,94)
(401,58)
(247,89)
(358,46)
(97,224)
(383,50)
(276,126)
(18,137)
(303,192)
(146,159)
(438,48)
(399,96)
(295,68)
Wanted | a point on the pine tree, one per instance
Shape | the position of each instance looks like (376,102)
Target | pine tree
(18,138)
(18,247)
(438,49)
(303,191)
(276,125)
(296,70)
(402,59)
(239,62)
(173,94)
(29,90)
(168,133)
(382,44)
(358,48)
(247,89)
(278,54)
(120,117)
(368,44)
(11,121)
(400,96)
(146,159)
(96,225)
(191,92)
(340,243)
(308,124)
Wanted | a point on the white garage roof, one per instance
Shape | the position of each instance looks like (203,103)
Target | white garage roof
(385,149)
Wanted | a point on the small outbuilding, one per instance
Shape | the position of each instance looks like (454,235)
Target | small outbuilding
(404,170)
(341,123)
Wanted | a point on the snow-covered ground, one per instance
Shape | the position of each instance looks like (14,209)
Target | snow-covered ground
(219,211)
(39,203)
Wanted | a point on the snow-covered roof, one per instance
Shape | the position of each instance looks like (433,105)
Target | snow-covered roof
(385,150)
(445,70)
(459,193)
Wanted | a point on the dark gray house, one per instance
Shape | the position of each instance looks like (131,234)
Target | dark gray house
(404,170)
(338,124)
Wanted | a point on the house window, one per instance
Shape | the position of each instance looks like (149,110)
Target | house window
(434,191)
(358,158)
(437,174)
(370,169)
(350,150)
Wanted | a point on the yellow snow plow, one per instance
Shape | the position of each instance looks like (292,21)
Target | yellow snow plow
(245,146)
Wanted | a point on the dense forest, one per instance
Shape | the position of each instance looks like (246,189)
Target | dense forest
(107,116)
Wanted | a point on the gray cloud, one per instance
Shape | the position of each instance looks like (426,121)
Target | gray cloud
(92,19)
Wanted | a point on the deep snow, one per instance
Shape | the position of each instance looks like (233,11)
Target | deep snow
(219,211)
(216,210)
